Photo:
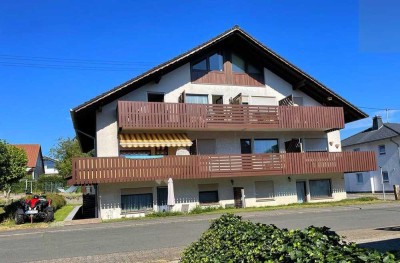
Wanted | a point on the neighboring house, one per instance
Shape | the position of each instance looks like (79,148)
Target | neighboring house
(230,122)
(35,166)
(384,140)
(49,166)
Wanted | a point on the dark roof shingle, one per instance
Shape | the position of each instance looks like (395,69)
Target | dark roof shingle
(388,130)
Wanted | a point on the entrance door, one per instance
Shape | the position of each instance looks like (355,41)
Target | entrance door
(301,192)
(162,198)
(238,196)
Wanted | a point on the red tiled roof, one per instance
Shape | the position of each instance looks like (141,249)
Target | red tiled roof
(32,151)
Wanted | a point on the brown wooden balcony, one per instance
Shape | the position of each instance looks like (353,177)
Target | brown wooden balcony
(181,116)
(118,169)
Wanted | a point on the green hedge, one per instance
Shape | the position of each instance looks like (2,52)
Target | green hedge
(229,239)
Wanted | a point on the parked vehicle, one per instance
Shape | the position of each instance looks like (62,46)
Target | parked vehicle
(38,208)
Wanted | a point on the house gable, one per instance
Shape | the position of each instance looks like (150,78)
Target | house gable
(232,41)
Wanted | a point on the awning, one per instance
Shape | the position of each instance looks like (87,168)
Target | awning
(154,140)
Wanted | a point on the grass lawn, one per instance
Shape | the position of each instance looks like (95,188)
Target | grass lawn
(63,212)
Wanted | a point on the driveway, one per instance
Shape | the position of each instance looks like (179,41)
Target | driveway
(155,239)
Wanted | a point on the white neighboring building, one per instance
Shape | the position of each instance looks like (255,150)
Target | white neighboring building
(49,166)
(384,140)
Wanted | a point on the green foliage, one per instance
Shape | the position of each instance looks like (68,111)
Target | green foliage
(57,201)
(63,152)
(200,209)
(49,179)
(13,163)
(164,214)
(229,239)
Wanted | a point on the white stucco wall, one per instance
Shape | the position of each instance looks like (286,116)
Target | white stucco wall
(187,192)
(389,162)
(173,84)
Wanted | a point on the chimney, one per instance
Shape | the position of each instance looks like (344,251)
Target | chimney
(377,122)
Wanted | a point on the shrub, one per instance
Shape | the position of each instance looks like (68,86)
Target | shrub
(164,214)
(203,209)
(57,201)
(229,239)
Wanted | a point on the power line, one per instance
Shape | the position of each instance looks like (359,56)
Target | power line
(73,60)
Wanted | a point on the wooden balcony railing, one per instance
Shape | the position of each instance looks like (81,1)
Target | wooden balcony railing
(153,115)
(118,169)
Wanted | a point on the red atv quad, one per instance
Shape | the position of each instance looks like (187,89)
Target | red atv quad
(37,208)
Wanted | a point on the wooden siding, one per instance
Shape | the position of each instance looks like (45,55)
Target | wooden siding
(118,169)
(181,116)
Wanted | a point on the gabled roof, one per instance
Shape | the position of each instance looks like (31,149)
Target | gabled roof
(386,131)
(83,116)
(33,152)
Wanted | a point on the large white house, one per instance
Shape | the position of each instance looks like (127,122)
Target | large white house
(228,123)
(384,140)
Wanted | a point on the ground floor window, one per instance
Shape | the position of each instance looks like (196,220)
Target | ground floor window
(320,188)
(208,193)
(360,178)
(136,202)
(264,190)
(385,176)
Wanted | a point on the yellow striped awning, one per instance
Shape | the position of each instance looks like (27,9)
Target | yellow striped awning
(154,140)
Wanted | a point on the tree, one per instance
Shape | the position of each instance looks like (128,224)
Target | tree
(63,152)
(13,163)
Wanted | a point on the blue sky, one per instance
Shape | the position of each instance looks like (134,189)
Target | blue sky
(54,55)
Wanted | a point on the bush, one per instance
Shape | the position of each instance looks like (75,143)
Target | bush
(164,214)
(229,239)
(203,209)
(57,201)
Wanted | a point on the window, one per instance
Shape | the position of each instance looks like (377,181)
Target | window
(161,151)
(196,99)
(385,177)
(214,62)
(136,199)
(382,149)
(245,146)
(238,65)
(264,190)
(266,146)
(360,178)
(315,145)
(356,150)
(208,193)
(320,188)
(49,164)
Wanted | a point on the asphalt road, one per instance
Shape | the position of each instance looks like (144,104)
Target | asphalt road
(174,233)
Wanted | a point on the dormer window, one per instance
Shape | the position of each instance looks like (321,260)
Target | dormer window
(214,62)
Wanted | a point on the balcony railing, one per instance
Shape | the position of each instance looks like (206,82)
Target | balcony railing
(118,169)
(153,115)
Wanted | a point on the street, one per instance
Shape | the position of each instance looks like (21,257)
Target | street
(154,239)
